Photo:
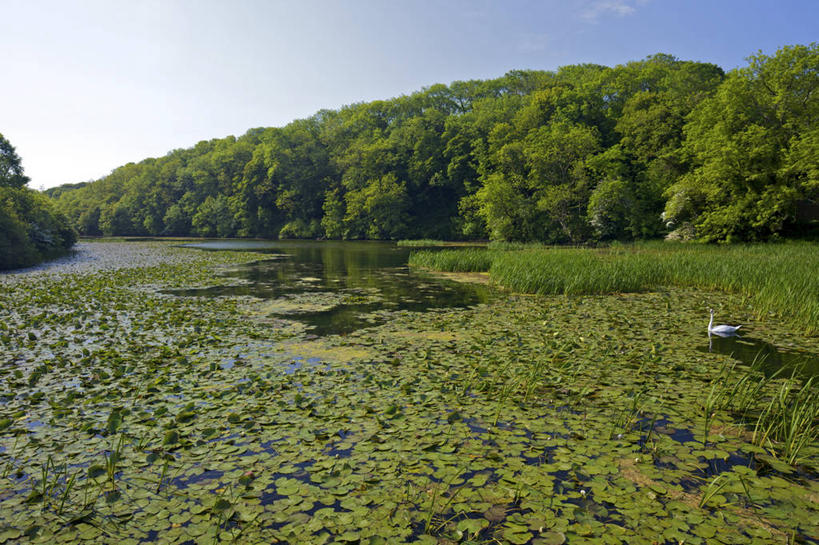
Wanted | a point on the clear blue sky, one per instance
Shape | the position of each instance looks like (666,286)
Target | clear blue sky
(89,85)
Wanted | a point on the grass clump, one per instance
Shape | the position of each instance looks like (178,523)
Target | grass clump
(434,243)
(461,260)
(421,243)
(573,272)
(789,420)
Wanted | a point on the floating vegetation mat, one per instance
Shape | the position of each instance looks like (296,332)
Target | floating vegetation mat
(131,416)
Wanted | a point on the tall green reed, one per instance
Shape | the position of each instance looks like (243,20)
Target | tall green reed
(789,421)
(461,260)
(777,278)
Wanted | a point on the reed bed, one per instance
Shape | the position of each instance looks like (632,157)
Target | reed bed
(460,260)
(434,243)
(778,278)
(421,243)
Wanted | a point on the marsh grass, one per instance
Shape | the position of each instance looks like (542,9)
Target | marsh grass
(437,509)
(710,410)
(782,412)
(777,278)
(789,421)
(421,243)
(713,489)
(460,260)
(112,460)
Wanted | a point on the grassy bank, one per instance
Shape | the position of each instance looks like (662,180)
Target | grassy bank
(777,278)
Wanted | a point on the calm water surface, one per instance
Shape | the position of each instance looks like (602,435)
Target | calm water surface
(765,356)
(361,278)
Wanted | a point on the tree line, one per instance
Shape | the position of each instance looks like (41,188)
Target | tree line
(31,230)
(588,152)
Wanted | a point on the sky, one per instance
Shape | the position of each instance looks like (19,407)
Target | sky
(90,85)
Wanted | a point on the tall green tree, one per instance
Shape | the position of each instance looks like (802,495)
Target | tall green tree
(31,230)
(754,150)
(11,168)
(586,152)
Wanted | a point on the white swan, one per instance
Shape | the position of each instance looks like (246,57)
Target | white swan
(721,330)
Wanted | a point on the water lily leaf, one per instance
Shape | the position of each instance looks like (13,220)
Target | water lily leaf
(349,536)
(171,437)
(221,505)
(185,416)
(495,513)
(517,537)
(112,496)
(114,421)
(9,533)
(550,538)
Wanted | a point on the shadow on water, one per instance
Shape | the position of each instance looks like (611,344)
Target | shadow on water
(764,356)
(369,276)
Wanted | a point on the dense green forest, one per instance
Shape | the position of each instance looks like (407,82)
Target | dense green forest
(31,230)
(588,152)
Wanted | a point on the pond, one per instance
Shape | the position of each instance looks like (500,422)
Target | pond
(336,287)
(317,393)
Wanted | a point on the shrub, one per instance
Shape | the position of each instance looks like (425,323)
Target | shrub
(31,230)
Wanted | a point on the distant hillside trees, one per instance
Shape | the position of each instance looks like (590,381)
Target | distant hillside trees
(31,230)
(584,153)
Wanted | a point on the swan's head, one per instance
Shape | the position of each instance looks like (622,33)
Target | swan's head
(711,311)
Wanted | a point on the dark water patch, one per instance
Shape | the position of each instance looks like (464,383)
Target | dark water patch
(764,356)
(357,280)
(716,466)
(207,475)
(682,435)
(333,451)
(270,495)
(340,321)
(303,473)
(227,363)
(299,364)
(690,485)
(475,425)
(335,506)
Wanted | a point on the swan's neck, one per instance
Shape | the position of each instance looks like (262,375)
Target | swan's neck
(711,322)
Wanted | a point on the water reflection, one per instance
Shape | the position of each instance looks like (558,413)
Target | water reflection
(764,356)
(369,276)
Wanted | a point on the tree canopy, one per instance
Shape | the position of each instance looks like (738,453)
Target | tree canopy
(31,230)
(754,149)
(11,168)
(586,152)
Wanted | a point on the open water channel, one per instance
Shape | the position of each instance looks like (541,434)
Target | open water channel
(337,287)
